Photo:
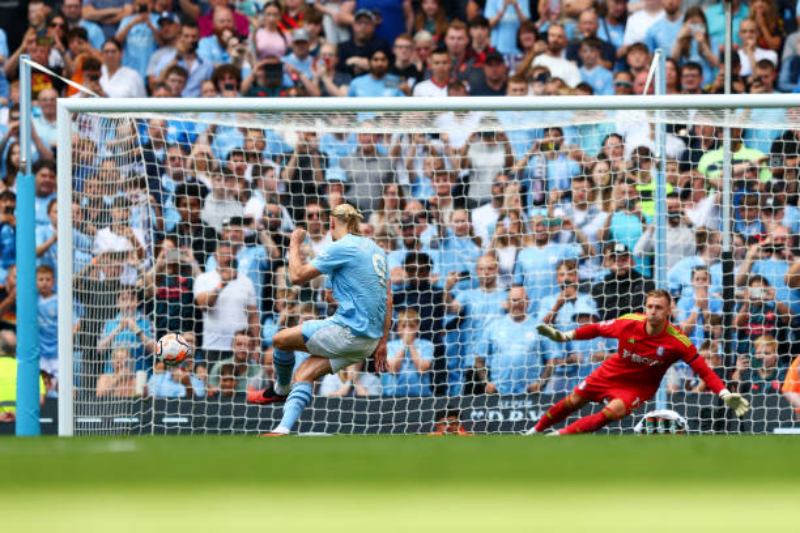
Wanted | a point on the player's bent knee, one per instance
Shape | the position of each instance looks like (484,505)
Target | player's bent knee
(615,410)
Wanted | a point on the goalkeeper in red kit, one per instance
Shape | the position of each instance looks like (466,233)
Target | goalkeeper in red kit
(647,346)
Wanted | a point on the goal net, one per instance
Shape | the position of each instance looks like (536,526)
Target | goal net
(493,221)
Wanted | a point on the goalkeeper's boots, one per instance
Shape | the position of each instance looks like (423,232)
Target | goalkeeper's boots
(547,433)
(266,396)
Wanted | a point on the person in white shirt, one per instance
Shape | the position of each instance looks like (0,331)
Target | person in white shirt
(439,63)
(555,58)
(750,53)
(118,81)
(228,302)
(638,23)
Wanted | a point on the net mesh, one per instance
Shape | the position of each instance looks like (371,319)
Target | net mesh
(492,221)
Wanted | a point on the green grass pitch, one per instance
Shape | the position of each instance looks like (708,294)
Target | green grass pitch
(387,484)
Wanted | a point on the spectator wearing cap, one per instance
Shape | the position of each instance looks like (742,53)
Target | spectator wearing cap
(492,79)
(505,17)
(213,49)
(167,37)
(378,82)
(479,39)
(436,85)
(354,54)
(391,16)
(139,33)
(299,61)
(623,289)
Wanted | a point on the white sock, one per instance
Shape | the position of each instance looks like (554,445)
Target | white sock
(281,430)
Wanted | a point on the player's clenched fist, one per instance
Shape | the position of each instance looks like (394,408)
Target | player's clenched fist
(552,333)
(298,237)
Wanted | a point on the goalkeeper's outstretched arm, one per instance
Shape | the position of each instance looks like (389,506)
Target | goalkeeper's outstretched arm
(554,334)
(734,401)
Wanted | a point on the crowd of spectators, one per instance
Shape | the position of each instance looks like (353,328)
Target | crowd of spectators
(492,222)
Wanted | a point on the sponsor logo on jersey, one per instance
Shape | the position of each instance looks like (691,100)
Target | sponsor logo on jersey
(640,359)
(632,340)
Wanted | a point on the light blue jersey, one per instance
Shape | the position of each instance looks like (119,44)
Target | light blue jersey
(536,267)
(663,34)
(140,43)
(408,381)
(600,78)
(48,327)
(50,256)
(684,308)
(504,34)
(367,85)
(357,270)
(513,354)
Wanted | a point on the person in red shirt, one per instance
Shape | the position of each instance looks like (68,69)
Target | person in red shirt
(647,346)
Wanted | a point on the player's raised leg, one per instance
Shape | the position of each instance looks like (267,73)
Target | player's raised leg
(614,410)
(558,412)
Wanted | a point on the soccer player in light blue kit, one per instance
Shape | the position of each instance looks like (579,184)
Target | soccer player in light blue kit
(357,270)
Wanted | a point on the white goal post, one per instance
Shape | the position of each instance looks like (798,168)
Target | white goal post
(542,168)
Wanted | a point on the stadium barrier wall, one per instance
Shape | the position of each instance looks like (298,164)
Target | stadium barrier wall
(479,414)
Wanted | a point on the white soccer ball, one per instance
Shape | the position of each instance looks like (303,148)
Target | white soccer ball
(173,349)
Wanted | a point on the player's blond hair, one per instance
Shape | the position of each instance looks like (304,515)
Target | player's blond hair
(350,216)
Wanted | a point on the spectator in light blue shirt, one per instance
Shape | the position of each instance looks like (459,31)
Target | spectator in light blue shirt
(47,319)
(3,54)
(692,44)
(73,11)
(512,351)
(408,359)
(8,229)
(212,49)
(137,34)
(535,268)
(378,82)
(130,329)
(47,238)
(505,17)
(177,382)
(44,172)
(694,311)
(300,59)
(592,72)
(664,32)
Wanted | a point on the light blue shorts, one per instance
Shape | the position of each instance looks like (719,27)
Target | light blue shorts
(333,341)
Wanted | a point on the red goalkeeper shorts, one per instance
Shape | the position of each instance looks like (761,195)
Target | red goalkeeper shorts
(598,389)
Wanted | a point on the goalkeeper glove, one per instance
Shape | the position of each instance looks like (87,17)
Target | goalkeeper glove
(553,334)
(736,402)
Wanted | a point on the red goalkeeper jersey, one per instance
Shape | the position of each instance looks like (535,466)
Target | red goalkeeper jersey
(642,359)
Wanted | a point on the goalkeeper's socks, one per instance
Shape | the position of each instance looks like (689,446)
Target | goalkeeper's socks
(587,424)
(558,412)
(283,361)
(295,404)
